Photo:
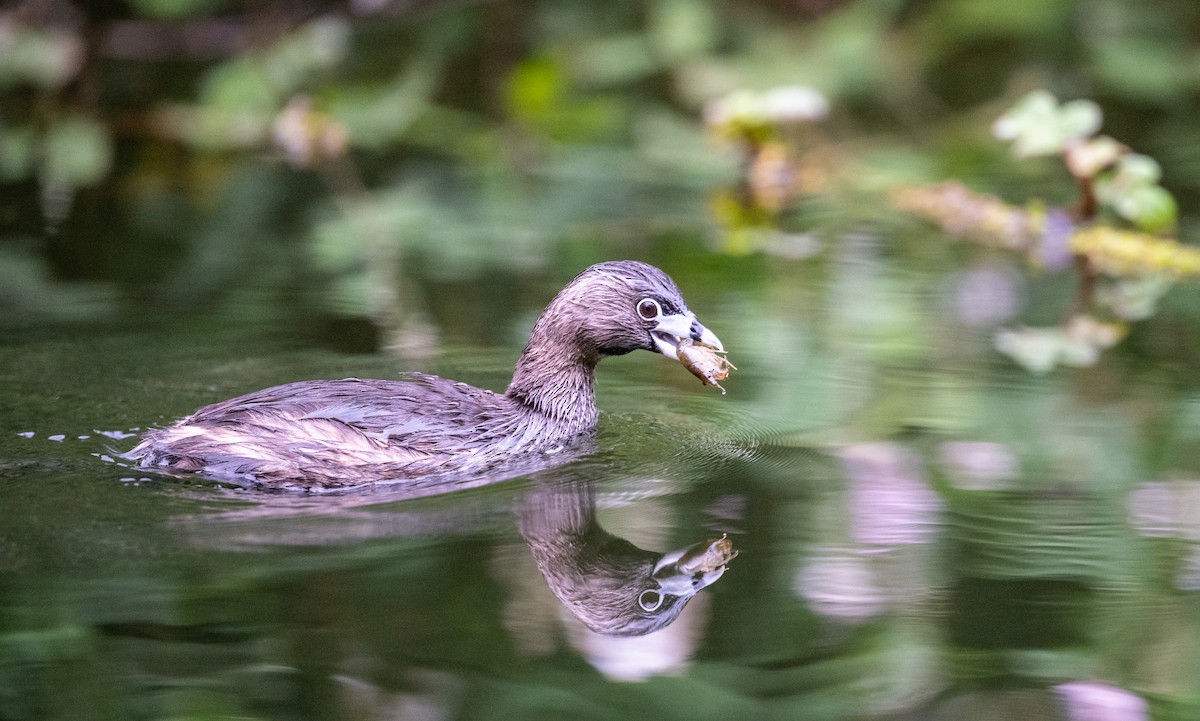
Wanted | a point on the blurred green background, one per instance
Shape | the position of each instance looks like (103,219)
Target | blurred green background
(336,157)
(199,198)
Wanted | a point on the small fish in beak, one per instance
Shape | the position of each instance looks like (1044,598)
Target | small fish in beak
(673,329)
(681,337)
(684,572)
(704,362)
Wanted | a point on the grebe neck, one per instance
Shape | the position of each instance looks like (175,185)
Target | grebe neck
(555,378)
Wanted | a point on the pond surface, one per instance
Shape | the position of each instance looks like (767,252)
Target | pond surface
(923,530)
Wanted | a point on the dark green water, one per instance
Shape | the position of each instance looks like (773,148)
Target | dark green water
(924,530)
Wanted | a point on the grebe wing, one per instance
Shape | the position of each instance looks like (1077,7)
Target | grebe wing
(295,428)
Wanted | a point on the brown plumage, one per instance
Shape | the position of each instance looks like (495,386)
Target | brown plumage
(330,434)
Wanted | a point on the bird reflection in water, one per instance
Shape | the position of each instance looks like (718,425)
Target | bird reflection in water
(611,585)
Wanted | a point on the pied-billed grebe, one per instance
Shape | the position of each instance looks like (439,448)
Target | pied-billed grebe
(330,434)
(613,586)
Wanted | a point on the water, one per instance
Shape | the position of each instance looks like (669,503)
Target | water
(923,530)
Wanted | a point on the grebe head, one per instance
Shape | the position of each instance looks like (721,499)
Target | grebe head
(621,306)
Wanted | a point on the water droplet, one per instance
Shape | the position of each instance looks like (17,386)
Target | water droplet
(115,435)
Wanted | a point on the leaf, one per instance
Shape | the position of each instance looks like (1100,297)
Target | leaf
(1134,298)
(1131,189)
(1078,354)
(1139,168)
(679,29)
(534,88)
(316,46)
(794,103)
(1149,207)
(613,60)
(1077,344)
(1036,349)
(46,58)
(76,151)
(376,116)
(1037,125)
(1079,119)
(1034,109)
(16,153)
(174,8)
(240,85)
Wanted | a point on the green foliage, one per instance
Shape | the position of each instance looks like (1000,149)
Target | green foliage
(1131,189)
(540,97)
(239,99)
(177,8)
(72,151)
(1123,181)
(679,30)
(1038,125)
(29,293)
(16,152)
(1115,184)
(76,151)
(376,116)
(583,121)
(612,60)
(1078,344)
(289,167)
(47,58)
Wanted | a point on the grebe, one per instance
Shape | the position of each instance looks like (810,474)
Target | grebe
(350,432)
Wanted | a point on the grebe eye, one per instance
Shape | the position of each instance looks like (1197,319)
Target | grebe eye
(649,309)
(650,600)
